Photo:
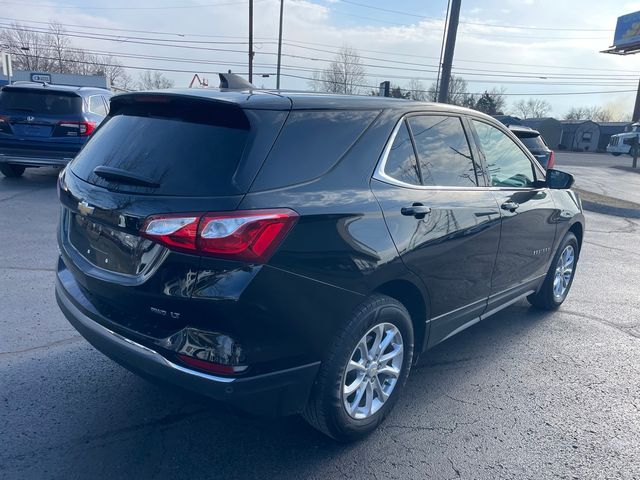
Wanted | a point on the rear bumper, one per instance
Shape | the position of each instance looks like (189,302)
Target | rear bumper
(283,392)
(36,161)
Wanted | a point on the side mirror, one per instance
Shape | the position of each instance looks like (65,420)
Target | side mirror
(559,180)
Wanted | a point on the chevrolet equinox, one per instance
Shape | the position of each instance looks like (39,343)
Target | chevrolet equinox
(296,253)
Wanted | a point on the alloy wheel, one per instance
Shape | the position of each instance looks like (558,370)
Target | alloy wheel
(564,272)
(372,371)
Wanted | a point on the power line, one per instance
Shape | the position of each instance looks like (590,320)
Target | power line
(269,40)
(173,70)
(493,25)
(388,10)
(407,66)
(225,64)
(378,74)
(87,7)
(375,87)
(536,74)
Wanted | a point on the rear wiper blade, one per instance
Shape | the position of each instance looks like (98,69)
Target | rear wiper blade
(123,176)
(22,109)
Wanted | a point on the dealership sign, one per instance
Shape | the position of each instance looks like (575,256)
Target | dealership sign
(41,77)
(627,30)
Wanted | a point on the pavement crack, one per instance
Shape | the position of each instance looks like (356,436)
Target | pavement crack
(19,194)
(457,472)
(595,318)
(57,343)
(459,400)
(609,247)
(29,269)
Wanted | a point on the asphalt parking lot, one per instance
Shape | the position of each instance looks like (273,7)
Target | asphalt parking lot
(522,395)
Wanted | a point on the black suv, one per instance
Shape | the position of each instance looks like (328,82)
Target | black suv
(296,253)
(46,125)
(534,142)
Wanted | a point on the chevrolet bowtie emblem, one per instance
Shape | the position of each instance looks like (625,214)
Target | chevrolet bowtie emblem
(84,208)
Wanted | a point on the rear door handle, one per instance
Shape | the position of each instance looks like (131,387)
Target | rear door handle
(417,210)
(511,206)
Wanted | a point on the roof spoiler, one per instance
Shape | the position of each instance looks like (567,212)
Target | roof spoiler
(231,81)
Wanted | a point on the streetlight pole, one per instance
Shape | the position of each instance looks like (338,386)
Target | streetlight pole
(279,47)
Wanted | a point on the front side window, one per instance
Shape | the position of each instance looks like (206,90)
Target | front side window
(443,151)
(507,163)
(401,163)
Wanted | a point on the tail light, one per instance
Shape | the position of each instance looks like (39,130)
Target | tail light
(249,235)
(74,129)
(552,160)
(4,124)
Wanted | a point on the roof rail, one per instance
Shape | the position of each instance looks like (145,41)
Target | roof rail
(29,82)
(231,81)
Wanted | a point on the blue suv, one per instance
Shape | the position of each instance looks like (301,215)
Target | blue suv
(46,125)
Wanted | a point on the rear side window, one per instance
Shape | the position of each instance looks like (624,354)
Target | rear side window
(401,163)
(96,105)
(189,148)
(40,102)
(310,144)
(443,151)
(508,165)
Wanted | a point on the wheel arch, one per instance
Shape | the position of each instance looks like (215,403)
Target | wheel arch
(578,230)
(416,302)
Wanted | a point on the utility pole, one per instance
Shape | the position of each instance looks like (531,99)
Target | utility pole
(279,46)
(452,31)
(444,39)
(250,41)
(636,109)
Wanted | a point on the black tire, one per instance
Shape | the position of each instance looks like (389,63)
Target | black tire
(325,410)
(11,171)
(545,298)
(616,154)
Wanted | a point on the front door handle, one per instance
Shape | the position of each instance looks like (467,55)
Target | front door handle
(511,206)
(417,210)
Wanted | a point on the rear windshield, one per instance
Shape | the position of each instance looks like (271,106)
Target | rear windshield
(189,149)
(532,142)
(40,102)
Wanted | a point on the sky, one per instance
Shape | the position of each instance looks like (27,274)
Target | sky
(547,49)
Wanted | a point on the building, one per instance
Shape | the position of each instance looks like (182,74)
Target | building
(580,135)
(99,81)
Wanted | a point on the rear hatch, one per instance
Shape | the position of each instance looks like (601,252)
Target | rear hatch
(536,145)
(155,154)
(34,120)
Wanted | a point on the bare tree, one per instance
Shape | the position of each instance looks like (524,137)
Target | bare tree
(153,80)
(417,90)
(532,108)
(58,44)
(458,94)
(29,50)
(53,51)
(345,74)
(596,114)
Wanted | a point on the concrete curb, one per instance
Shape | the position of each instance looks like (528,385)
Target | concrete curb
(594,202)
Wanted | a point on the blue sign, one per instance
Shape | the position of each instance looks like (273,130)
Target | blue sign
(627,30)
(41,77)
